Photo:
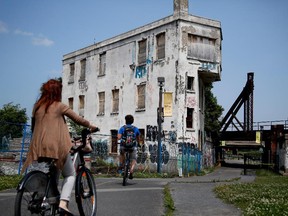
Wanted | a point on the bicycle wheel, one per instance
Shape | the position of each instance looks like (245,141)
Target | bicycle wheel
(125,173)
(85,192)
(29,197)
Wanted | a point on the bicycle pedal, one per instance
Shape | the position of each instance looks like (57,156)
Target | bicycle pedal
(45,205)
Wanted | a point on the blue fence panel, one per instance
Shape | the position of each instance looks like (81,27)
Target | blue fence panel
(27,134)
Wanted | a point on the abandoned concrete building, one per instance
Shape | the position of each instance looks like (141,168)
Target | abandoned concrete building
(118,76)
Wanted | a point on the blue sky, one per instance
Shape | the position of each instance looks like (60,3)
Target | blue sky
(35,34)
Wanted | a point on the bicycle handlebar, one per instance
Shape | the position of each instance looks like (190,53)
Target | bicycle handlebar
(84,133)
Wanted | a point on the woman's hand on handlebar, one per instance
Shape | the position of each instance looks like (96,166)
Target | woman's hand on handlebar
(93,128)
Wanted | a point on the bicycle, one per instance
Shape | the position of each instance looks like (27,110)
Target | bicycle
(126,168)
(37,192)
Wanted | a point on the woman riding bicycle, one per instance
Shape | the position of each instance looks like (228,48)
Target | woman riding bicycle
(51,138)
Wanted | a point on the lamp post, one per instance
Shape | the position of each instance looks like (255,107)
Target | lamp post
(161,82)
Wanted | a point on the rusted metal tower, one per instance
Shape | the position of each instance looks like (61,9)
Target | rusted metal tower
(246,98)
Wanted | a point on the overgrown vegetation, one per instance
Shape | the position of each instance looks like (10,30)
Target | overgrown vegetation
(11,118)
(213,112)
(7,182)
(267,195)
(168,201)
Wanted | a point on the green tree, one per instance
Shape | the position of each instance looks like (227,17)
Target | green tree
(213,112)
(12,118)
(74,128)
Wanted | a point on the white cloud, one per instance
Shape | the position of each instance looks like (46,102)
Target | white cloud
(42,41)
(39,40)
(3,28)
(20,32)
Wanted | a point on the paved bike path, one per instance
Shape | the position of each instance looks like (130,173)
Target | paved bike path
(194,195)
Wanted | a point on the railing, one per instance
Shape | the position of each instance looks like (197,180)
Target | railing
(261,125)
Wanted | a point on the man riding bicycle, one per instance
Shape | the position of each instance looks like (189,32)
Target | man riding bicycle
(128,138)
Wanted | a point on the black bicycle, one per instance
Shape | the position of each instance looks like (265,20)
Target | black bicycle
(37,192)
(126,169)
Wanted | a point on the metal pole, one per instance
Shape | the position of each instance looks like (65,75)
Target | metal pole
(159,130)
(161,81)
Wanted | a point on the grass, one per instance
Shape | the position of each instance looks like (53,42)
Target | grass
(267,195)
(8,182)
(168,201)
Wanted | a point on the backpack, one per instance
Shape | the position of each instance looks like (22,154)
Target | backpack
(128,137)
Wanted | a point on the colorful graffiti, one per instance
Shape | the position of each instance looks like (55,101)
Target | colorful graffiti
(189,159)
(100,148)
(152,133)
(208,66)
(140,71)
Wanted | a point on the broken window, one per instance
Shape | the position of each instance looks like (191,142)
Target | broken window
(189,118)
(102,65)
(101,103)
(83,70)
(202,48)
(114,141)
(72,72)
(160,45)
(115,96)
(142,51)
(141,96)
(70,102)
(190,83)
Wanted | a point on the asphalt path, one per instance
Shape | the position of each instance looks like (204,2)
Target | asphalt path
(140,197)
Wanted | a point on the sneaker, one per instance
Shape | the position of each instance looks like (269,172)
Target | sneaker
(131,176)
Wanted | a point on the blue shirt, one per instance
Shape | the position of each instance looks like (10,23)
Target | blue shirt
(136,130)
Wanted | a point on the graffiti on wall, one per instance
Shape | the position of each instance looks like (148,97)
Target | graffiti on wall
(189,159)
(83,86)
(152,133)
(149,153)
(172,136)
(140,71)
(208,66)
(208,152)
(100,148)
(191,101)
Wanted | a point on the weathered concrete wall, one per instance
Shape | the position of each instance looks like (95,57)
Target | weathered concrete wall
(123,73)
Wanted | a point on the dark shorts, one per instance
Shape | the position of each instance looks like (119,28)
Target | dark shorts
(132,151)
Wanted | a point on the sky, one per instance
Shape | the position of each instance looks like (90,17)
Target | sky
(35,34)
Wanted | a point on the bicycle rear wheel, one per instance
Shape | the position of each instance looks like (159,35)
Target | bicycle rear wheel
(125,173)
(30,194)
(85,192)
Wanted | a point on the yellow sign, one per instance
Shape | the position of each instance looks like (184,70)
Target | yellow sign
(168,104)
(258,137)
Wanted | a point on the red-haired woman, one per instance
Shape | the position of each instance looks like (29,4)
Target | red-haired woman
(51,138)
